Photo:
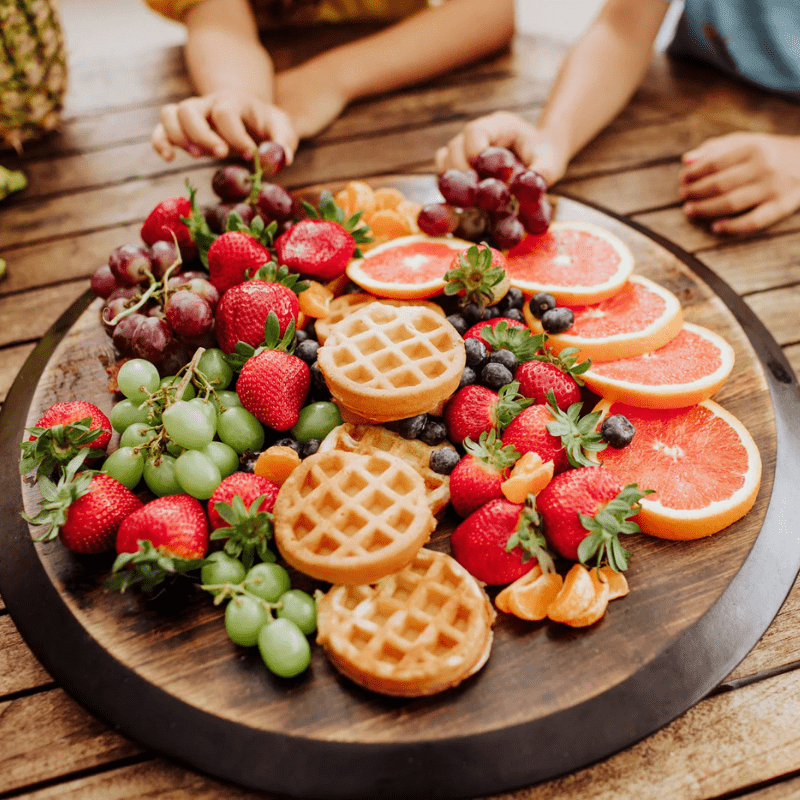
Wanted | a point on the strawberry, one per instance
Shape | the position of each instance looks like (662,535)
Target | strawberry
(61,432)
(243,310)
(240,512)
(528,432)
(475,409)
(477,478)
(233,257)
(536,378)
(167,218)
(583,512)
(500,542)
(477,330)
(321,246)
(167,536)
(273,383)
(84,509)
(478,275)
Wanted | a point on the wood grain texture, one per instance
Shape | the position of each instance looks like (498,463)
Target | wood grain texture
(19,669)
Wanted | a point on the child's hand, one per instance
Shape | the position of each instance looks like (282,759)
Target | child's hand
(220,122)
(754,173)
(311,100)
(533,147)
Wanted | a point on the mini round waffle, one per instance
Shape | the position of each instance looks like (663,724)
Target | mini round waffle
(351,517)
(419,631)
(387,362)
(346,304)
(375,438)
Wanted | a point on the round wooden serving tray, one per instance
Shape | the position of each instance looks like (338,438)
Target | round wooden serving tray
(550,699)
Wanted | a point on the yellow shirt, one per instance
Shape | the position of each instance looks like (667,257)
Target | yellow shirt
(293,12)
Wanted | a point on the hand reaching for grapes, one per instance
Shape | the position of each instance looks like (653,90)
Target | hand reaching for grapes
(217,123)
(743,181)
(534,147)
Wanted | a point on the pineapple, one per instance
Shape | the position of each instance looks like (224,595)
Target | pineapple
(33,70)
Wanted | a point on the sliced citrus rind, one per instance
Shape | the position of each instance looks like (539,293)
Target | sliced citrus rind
(683,372)
(642,316)
(579,263)
(529,475)
(701,462)
(410,267)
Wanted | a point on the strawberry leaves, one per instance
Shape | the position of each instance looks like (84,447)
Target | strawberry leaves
(56,445)
(249,530)
(520,341)
(529,537)
(606,526)
(579,435)
(474,276)
(148,568)
(272,341)
(330,211)
(490,449)
(510,402)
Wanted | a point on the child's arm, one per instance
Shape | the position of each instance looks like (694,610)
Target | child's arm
(755,173)
(233,76)
(427,44)
(597,79)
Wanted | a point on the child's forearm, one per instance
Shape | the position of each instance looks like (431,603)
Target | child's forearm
(430,42)
(223,51)
(602,72)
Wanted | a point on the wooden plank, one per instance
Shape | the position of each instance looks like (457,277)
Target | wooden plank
(48,735)
(28,316)
(19,668)
(778,310)
(793,354)
(11,361)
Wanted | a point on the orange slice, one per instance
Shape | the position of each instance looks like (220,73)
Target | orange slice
(502,599)
(530,600)
(577,262)
(315,301)
(389,224)
(276,463)
(597,607)
(529,475)
(387,197)
(410,267)
(685,371)
(701,461)
(575,596)
(617,583)
(641,317)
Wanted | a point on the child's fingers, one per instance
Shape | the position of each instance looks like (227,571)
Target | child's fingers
(174,132)
(718,183)
(715,155)
(735,201)
(161,143)
(228,123)
(452,155)
(270,122)
(762,216)
(193,118)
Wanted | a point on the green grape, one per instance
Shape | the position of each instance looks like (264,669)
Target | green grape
(207,407)
(268,581)
(300,608)
(197,474)
(137,379)
(213,365)
(244,618)
(284,648)
(174,449)
(222,569)
(225,399)
(126,465)
(159,475)
(316,421)
(241,430)
(136,435)
(224,456)
(173,380)
(188,425)
(125,413)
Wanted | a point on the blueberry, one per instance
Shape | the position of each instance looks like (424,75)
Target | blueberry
(495,375)
(617,430)
(444,460)
(310,447)
(541,302)
(247,461)
(468,377)
(319,389)
(302,336)
(307,351)
(459,323)
(410,427)
(504,357)
(515,314)
(472,313)
(288,441)
(557,320)
(434,432)
(476,353)
(514,299)
(492,311)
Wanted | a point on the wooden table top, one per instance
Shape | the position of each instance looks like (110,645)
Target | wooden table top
(91,186)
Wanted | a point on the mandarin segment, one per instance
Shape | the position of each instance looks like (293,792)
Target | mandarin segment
(575,596)
(276,463)
(597,608)
(529,475)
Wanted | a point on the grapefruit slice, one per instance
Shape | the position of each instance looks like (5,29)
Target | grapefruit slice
(577,262)
(701,461)
(642,316)
(411,267)
(685,371)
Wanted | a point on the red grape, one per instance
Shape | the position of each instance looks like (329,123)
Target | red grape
(495,162)
(437,219)
(200,286)
(472,224)
(528,186)
(123,332)
(188,313)
(275,202)
(492,195)
(151,339)
(104,281)
(113,306)
(130,263)
(536,218)
(163,255)
(507,232)
(232,183)
(458,187)
(272,157)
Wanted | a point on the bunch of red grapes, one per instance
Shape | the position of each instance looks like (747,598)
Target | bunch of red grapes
(165,321)
(498,201)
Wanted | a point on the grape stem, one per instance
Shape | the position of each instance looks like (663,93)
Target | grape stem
(230,591)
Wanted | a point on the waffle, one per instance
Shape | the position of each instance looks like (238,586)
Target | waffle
(351,518)
(346,304)
(416,632)
(374,438)
(387,362)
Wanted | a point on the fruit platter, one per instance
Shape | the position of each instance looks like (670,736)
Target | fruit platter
(536,683)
